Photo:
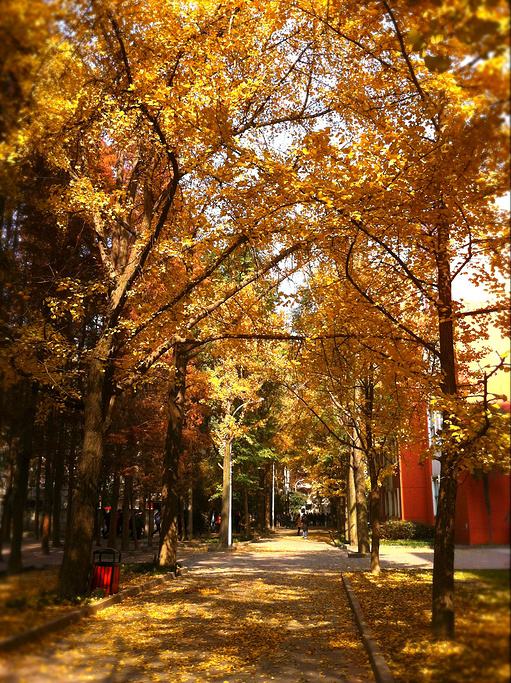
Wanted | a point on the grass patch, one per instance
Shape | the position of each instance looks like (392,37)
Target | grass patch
(408,543)
(397,607)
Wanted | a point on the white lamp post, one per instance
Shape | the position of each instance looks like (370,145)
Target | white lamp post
(229,480)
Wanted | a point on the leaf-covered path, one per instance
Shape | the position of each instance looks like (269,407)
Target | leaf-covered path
(275,610)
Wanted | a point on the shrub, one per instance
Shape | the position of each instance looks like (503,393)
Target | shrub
(423,532)
(399,529)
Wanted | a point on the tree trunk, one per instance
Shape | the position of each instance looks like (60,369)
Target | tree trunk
(76,564)
(226,495)
(375,525)
(361,501)
(443,566)
(19,498)
(352,503)
(173,444)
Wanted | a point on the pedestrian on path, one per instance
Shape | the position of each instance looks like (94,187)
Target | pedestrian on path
(305,525)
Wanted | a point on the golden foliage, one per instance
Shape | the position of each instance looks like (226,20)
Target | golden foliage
(396,606)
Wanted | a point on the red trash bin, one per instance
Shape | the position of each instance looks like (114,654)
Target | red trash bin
(106,570)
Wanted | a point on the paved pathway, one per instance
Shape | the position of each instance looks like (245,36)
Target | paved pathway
(466,557)
(271,611)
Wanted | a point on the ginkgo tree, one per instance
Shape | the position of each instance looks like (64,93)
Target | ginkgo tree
(144,105)
(410,174)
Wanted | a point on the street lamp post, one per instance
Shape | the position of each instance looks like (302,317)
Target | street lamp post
(273,496)
(226,532)
(229,524)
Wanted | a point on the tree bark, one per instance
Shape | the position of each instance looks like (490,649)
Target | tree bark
(374,498)
(226,492)
(352,503)
(173,445)
(443,566)
(76,564)
(19,498)
(361,501)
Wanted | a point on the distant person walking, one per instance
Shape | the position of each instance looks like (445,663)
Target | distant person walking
(305,525)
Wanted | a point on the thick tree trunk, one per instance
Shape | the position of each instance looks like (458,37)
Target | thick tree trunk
(443,569)
(443,566)
(361,501)
(19,498)
(226,493)
(173,445)
(76,565)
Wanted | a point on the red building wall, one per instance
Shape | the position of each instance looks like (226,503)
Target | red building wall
(416,491)
(483,510)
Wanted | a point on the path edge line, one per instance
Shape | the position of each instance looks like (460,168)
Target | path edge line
(381,670)
(58,623)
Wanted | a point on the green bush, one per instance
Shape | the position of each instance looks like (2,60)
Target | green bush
(423,532)
(399,529)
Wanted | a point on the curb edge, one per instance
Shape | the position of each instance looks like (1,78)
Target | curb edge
(58,623)
(381,670)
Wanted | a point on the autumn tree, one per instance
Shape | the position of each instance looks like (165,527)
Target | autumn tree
(421,147)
